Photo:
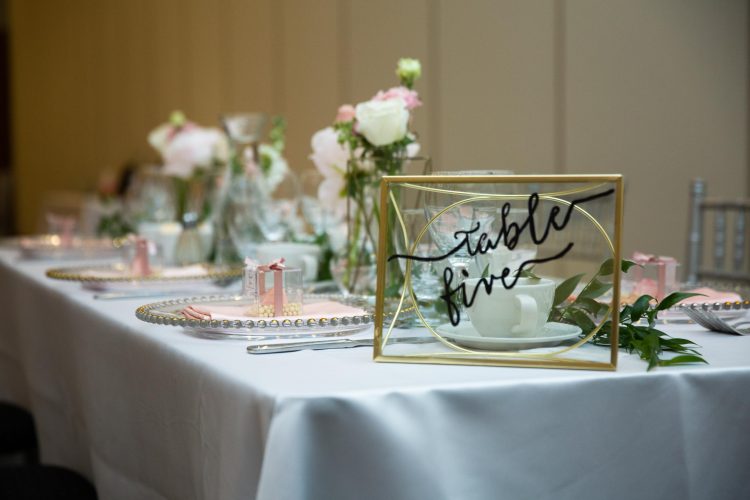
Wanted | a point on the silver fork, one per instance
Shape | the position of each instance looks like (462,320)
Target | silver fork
(708,319)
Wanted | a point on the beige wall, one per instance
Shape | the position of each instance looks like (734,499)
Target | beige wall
(657,90)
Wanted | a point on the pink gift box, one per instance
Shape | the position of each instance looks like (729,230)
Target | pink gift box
(656,276)
(274,289)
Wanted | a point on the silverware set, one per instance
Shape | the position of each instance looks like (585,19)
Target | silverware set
(335,343)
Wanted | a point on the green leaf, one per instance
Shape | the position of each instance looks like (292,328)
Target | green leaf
(639,308)
(591,306)
(566,288)
(627,264)
(625,312)
(603,335)
(582,320)
(678,342)
(528,273)
(595,289)
(486,271)
(674,298)
(682,360)
(606,268)
(647,330)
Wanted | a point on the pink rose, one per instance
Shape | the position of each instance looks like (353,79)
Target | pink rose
(345,113)
(410,97)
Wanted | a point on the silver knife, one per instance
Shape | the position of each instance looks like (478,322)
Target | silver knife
(330,344)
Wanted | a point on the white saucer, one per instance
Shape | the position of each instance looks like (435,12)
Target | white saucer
(465,335)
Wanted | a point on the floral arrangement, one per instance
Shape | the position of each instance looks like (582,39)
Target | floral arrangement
(272,167)
(365,142)
(377,128)
(187,148)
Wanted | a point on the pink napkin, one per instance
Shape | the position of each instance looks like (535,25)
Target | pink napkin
(711,295)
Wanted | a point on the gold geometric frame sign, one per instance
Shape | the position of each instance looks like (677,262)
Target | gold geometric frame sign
(431,345)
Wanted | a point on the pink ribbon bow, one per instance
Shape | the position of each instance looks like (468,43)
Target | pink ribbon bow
(140,265)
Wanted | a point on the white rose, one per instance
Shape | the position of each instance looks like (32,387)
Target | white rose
(382,122)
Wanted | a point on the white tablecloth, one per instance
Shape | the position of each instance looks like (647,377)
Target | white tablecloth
(150,412)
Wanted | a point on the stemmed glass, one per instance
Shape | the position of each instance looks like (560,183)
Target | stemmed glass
(151,197)
(244,130)
(279,218)
(242,221)
(456,227)
(518,237)
(421,275)
(151,208)
(318,217)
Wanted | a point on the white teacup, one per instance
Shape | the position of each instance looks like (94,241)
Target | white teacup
(302,255)
(521,311)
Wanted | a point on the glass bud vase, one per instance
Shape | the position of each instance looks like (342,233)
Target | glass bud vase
(354,267)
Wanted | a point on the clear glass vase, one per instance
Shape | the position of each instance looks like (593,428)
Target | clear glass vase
(354,265)
(233,193)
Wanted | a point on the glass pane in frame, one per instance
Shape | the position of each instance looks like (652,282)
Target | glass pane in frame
(482,269)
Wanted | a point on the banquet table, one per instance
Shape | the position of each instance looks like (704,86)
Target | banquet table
(153,412)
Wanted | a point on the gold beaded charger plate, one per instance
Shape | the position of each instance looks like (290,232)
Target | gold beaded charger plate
(322,315)
(120,277)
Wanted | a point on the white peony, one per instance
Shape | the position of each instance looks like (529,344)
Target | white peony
(193,148)
(382,122)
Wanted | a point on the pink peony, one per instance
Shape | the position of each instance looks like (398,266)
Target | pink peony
(345,113)
(329,195)
(410,97)
(328,155)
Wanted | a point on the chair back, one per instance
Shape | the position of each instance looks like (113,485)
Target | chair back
(728,217)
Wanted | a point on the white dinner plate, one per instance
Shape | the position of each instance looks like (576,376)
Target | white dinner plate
(465,335)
